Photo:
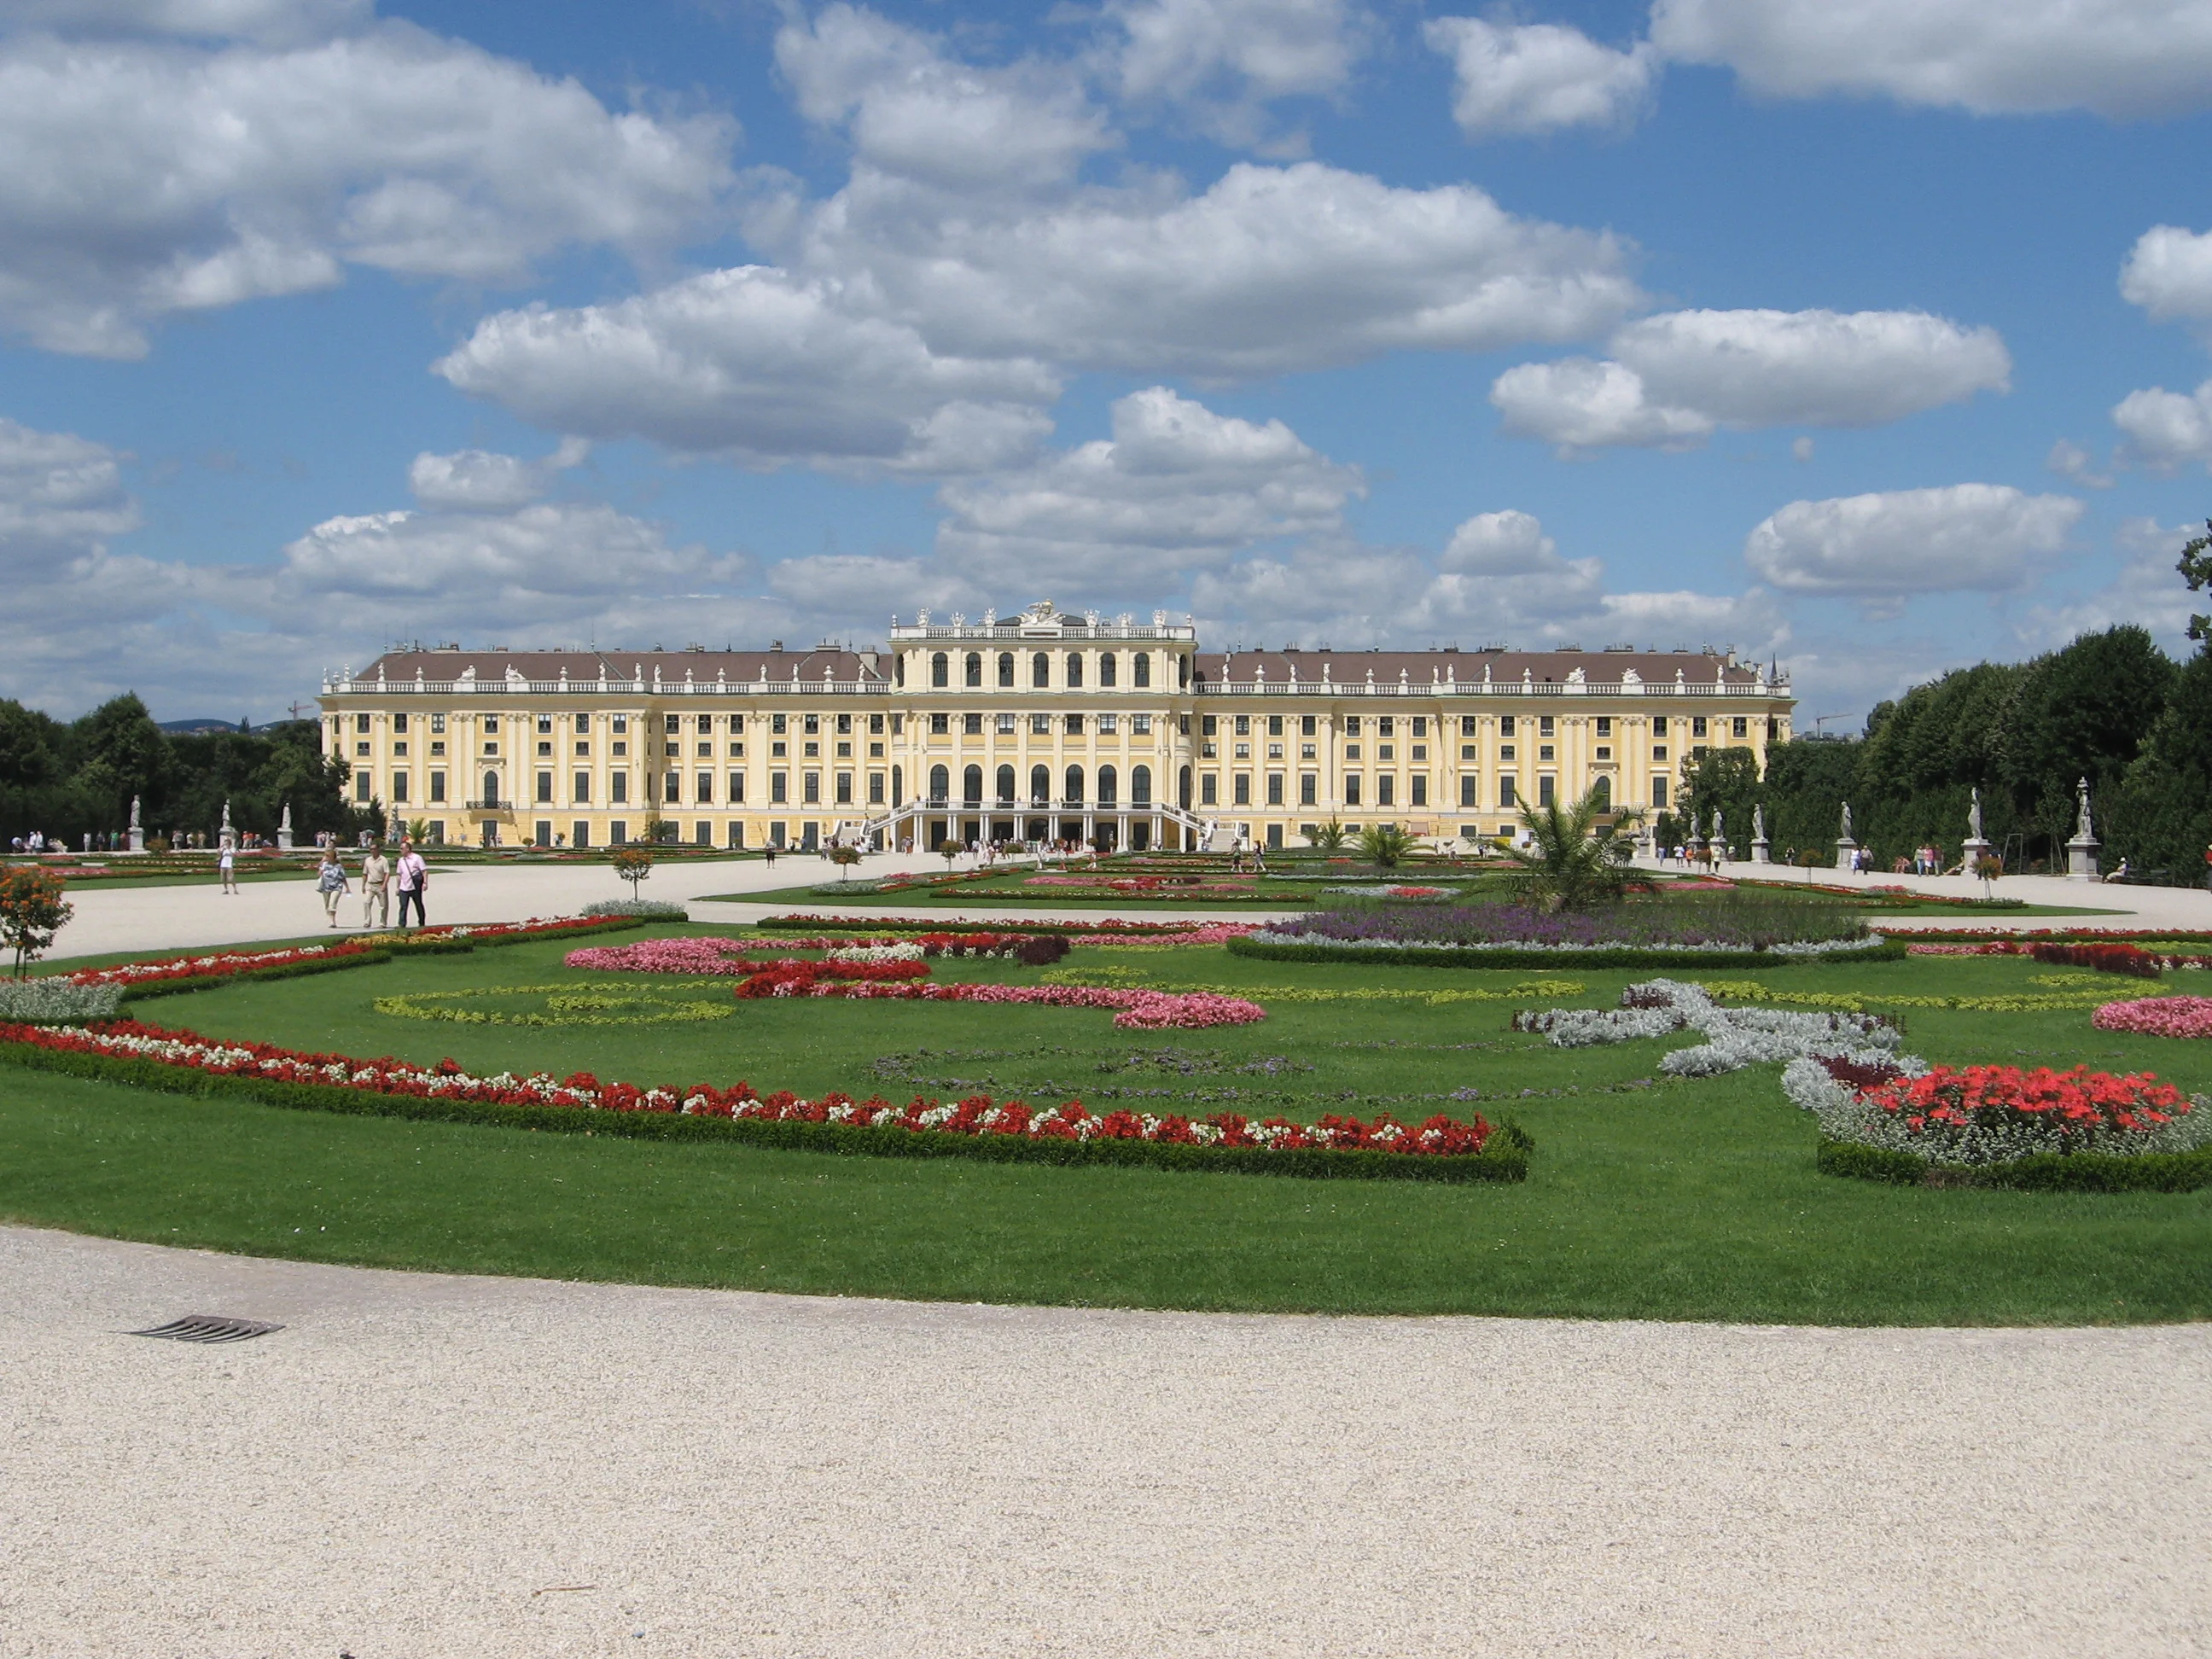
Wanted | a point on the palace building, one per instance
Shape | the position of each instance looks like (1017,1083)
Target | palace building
(1044,726)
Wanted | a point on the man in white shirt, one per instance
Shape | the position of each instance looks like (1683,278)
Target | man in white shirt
(413,877)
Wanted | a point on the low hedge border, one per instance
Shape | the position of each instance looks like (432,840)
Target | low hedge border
(1624,956)
(1504,1159)
(441,946)
(2043,1172)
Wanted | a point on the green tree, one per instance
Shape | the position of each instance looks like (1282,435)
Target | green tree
(2196,568)
(2081,712)
(2160,817)
(633,862)
(120,752)
(1575,858)
(1724,780)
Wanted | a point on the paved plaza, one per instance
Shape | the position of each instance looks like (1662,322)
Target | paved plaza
(425,1466)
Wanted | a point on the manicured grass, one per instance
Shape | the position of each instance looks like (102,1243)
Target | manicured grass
(1651,1199)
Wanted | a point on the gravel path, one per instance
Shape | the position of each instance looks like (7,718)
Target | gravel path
(432,1466)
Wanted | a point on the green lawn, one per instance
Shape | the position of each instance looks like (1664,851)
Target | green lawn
(1648,1198)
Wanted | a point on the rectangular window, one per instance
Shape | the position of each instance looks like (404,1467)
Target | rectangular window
(811,785)
(1547,752)
(875,725)
(1006,726)
(1205,725)
(1243,788)
(672,787)
(1274,789)
(1140,726)
(399,724)
(1658,751)
(1741,726)
(706,751)
(737,791)
(844,726)
(875,789)
(1274,725)
(1605,725)
(438,789)
(580,833)
(1074,726)
(971,726)
(844,789)
(1243,726)
(1506,791)
(1658,726)
(1209,790)
(1505,725)
(779,786)
(1544,726)
(779,725)
(361,788)
(1421,725)
(736,751)
(703,788)
(1466,726)
(1108,725)
(1420,789)
(1658,791)
(812,724)
(622,722)
(1386,790)
(582,795)
(674,723)
(1505,751)
(360,723)
(545,785)
(437,725)
(1544,788)
(618,789)
(1309,789)
(1351,789)
(1466,788)
(1387,726)
(399,788)
(1039,726)
(1605,751)
(1351,726)
(736,834)
(1307,727)
(583,726)
(1696,725)
(490,724)
(617,833)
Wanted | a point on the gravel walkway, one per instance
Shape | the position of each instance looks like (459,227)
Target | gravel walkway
(431,1466)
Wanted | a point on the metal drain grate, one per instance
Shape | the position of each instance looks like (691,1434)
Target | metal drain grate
(209,1328)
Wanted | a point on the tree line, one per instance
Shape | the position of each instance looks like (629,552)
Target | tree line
(63,779)
(2110,707)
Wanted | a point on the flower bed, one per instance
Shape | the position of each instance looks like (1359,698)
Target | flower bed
(2166,1017)
(1745,990)
(1274,945)
(2003,1126)
(1735,1037)
(1104,926)
(1534,988)
(1441,1148)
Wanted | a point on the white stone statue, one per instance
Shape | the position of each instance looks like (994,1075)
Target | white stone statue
(1720,835)
(1974,816)
(134,811)
(1757,820)
(2081,831)
(1847,821)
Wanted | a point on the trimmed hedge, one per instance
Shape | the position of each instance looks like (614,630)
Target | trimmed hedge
(1622,957)
(2043,1172)
(1505,1157)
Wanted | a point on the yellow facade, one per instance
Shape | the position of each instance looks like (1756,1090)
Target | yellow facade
(1046,726)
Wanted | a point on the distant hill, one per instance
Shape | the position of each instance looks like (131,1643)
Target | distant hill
(191,727)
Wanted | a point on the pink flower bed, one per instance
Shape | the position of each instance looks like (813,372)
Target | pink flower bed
(1439,1137)
(2168,1017)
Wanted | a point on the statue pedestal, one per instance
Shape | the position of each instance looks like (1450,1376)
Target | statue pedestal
(137,839)
(284,838)
(1972,854)
(1762,852)
(1844,848)
(2081,859)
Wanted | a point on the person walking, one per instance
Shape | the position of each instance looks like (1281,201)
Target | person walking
(330,881)
(413,875)
(376,889)
(226,865)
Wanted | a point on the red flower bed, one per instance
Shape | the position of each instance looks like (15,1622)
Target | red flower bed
(1438,1137)
(2079,1104)
(225,964)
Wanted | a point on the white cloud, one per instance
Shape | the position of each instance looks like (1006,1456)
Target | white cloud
(2168,272)
(59,494)
(2145,590)
(148,177)
(2167,429)
(270,22)
(753,364)
(1970,536)
(2070,461)
(1224,61)
(1539,77)
(2127,59)
(476,480)
(1681,374)
(1175,488)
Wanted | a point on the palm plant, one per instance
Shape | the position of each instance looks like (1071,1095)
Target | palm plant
(1328,837)
(1383,845)
(1572,860)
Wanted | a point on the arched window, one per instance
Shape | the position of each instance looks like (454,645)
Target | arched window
(971,785)
(1140,783)
(1182,789)
(1075,668)
(1005,786)
(1182,671)
(898,786)
(898,669)
(1040,671)
(1073,796)
(1140,669)
(1108,791)
(941,785)
(491,789)
(1106,670)
(1040,785)
(975,669)
(1006,669)
(940,669)
(1603,790)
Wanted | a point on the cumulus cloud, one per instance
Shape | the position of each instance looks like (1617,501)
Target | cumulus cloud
(2127,59)
(1223,62)
(2145,590)
(2070,461)
(1176,487)
(1677,377)
(1539,77)
(1959,537)
(275,22)
(161,173)
(2168,272)
(59,493)
(2167,429)
(478,480)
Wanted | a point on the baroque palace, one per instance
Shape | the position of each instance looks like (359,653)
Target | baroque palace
(1046,726)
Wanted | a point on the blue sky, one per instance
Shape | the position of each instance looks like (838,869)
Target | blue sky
(1867,334)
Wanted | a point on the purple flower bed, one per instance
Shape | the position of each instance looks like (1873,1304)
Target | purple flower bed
(1735,927)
